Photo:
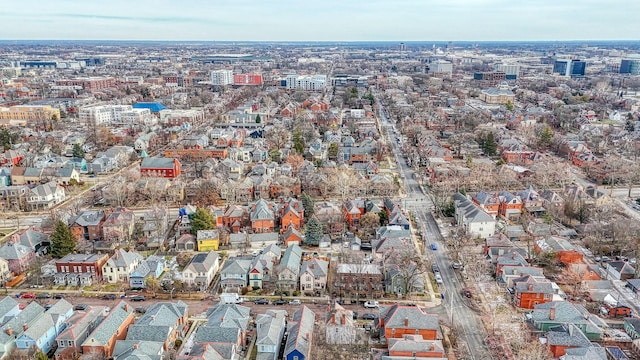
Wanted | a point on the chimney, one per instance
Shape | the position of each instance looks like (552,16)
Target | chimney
(333,318)
(406,322)
(513,255)
(135,346)
(126,307)
(570,330)
(9,331)
(25,327)
(530,287)
(552,313)
(432,347)
(344,319)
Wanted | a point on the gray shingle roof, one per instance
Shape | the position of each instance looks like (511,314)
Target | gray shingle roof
(108,327)
(408,317)
(301,332)
(158,322)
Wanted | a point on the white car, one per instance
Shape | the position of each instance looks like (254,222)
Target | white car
(371,304)
(438,279)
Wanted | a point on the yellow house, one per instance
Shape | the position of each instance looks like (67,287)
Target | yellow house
(207,240)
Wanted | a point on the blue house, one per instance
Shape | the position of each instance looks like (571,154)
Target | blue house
(79,164)
(298,344)
(152,266)
(43,331)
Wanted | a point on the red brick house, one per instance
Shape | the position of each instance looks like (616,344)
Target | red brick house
(529,292)
(234,218)
(353,211)
(291,215)
(114,327)
(292,236)
(88,225)
(82,264)
(262,217)
(168,168)
(400,320)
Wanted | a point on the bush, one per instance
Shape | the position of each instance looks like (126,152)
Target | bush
(178,343)
(244,290)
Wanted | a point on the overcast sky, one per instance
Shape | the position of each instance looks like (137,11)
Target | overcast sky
(322,20)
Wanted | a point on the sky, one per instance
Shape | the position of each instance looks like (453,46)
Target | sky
(322,20)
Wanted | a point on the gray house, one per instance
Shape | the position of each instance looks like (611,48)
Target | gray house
(270,329)
(288,271)
(234,273)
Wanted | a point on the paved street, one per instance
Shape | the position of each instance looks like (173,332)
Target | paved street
(465,320)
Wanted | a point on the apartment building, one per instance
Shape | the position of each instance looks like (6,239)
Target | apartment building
(115,115)
(29,113)
(221,77)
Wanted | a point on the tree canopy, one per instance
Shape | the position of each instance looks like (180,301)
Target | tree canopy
(314,232)
(202,220)
(62,241)
(78,151)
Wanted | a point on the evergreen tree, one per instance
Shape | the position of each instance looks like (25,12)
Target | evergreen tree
(489,145)
(258,119)
(314,232)
(384,218)
(546,136)
(332,152)
(298,142)
(62,241)
(307,204)
(78,151)
(202,220)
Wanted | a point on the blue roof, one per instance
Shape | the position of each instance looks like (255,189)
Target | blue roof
(153,106)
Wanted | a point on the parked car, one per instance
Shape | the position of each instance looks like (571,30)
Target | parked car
(280,302)
(295,302)
(435,268)
(58,296)
(137,298)
(371,304)
(43,296)
(141,310)
(47,307)
(109,297)
(261,301)
(467,293)
(81,307)
(368,316)
(455,266)
(28,295)
(355,315)
(434,247)
(439,279)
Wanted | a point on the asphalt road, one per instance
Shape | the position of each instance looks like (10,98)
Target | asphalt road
(466,323)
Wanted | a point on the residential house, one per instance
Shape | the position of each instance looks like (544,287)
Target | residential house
(114,327)
(331,216)
(514,258)
(201,270)
(489,202)
(359,281)
(402,279)
(352,211)
(593,352)
(401,319)
(620,270)
(138,350)
(260,271)
(414,347)
(300,338)
(19,257)
(42,332)
(510,205)
(35,240)
(120,266)
(632,327)
(5,274)
(168,168)
(233,275)
(88,225)
(14,324)
(551,314)
(153,266)
(89,265)
(45,196)
(474,220)
(288,270)
(340,327)
(234,218)
(313,276)
(509,273)
(186,242)
(529,292)
(208,240)
(270,328)
(562,337)
(292,215)
(154,222)
(262,217)
(564,250)
(163,322)
(119,225)
(77,329)
(13,198)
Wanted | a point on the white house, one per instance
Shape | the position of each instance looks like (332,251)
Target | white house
(120,266)
(313,276)
(474,220)
(45,196)
(201,270)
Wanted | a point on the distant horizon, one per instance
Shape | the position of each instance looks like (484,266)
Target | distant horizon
(329,20)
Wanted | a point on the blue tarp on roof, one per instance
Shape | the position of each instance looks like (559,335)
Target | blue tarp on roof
(153,106)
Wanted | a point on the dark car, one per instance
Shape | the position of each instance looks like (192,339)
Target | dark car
(435,268)
(109,297)
(261,301)
(58,296)
(81,307)
(141,310)
(434,247)
(137,298)
(279,302)
(368,316)
(467,293)
(355,315)
(43,296)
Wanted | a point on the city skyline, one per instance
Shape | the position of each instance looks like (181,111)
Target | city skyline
(330,20)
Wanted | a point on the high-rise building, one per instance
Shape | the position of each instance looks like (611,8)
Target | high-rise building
(569,67)
(402,47)
(441,67)
(221,77)
(512,71)
(630,65)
